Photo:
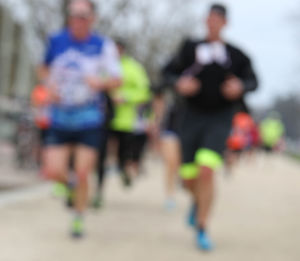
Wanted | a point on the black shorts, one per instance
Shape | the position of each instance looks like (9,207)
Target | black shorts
(42,135)
(138,145)
(131,145)
(171,121)
(201,130)
(267,148)
(90,137)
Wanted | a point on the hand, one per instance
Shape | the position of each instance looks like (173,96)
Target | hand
(153,130)
(232,89)
(95,83)
(188,86)
(53,93)
(119,100)
(53,97)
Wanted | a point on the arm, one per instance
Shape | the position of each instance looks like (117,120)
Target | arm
(248,77)
(173,70)
(113,72)
(186,85)
(159,108)
(42,73)
(110,83)
(236,86)
(43,70)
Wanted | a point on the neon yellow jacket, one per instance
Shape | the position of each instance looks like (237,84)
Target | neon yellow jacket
(135,91)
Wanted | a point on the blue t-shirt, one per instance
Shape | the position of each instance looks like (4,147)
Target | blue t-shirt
(71,62)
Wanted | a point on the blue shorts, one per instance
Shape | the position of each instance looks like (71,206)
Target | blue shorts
(90,137)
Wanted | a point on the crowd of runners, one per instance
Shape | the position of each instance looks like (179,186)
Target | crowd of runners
(94,100)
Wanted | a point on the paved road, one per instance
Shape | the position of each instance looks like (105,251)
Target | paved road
(12,177)
(257,217)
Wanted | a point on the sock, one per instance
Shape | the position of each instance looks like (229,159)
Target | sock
(201,229)
(78,215)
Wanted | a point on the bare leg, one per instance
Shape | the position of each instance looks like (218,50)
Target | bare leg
(85,161)
(192,187)
(205,195)
(231,159)
(171,154)
(132,168)
(56,163)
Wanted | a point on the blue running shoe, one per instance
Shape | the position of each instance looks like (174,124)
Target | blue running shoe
(203,241)
(192,217)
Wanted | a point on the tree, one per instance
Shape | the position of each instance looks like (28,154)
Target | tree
(152,29)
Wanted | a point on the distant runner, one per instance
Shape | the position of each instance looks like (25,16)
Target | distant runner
(271,131)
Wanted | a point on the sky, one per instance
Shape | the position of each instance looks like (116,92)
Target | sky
(265,31)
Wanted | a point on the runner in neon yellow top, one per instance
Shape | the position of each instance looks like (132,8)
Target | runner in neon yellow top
(131,114)
(134,92)
(271,131)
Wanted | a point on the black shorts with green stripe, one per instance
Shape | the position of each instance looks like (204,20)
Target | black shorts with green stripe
(203,136)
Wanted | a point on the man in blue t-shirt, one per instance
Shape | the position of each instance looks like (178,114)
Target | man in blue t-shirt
(78,66)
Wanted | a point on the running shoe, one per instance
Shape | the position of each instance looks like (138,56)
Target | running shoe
(59,190)
(70,197)
(97,202)
(126,180)
(77,227)
(203,241)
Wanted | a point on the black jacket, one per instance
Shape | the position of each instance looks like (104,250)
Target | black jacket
(212,76)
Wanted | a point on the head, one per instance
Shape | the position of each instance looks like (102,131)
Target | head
(216,21)
(81,16)
(121,45)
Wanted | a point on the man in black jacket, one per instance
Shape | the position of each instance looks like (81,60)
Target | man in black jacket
(212,77)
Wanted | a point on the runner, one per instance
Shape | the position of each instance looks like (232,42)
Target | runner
(212,76)
(243,138)
(130,122)
(101,164)
(78,66)
(166,114)
(271,131)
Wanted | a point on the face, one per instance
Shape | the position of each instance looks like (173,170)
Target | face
(80,19)
(121,49)
(215,23)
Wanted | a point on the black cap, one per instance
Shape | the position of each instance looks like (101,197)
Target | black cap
(219,9)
